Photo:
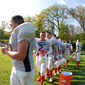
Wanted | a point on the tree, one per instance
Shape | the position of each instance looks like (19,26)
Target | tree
(30,19)
(72,31)
(64,32)
(77,36)
(79,30)
(78,13)
(82,36)
(4,34)
(2,28)
(39,24)
(55,15)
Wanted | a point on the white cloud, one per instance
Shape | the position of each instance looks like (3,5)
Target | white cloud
(61,2)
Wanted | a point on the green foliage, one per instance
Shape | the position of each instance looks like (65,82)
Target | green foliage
(30,19)
(76,36)
(81,37)
(6,35)
(64,32)
(78,13)
(83,46)
(6,40)
(37,34)
(54,15)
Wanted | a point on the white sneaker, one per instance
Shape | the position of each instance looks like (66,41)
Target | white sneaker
(46,76)
(51,80)
(57,72)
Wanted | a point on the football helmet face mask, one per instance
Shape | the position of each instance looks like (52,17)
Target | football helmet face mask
(43,56)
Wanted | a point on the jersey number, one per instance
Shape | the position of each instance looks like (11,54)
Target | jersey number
(41,46)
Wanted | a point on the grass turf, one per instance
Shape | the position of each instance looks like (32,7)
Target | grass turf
(78,79)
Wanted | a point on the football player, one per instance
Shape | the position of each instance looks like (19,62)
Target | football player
(78,51)
(50,58)
(68,48)
(42,44)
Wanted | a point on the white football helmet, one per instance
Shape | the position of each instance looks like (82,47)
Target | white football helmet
(42,59)
(74,57)
(63,60)
(56,64)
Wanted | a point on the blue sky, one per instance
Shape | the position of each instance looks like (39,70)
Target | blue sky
(9,8)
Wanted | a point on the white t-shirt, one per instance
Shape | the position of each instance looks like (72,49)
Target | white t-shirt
(25,31)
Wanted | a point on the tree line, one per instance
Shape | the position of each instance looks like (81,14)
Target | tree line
(55,18)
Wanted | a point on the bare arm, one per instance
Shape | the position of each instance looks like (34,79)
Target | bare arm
(20,54)
(54,46)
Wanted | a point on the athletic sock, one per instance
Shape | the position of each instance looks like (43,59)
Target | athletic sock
(50,73)
(47,74)
(58,69)
(67,62)
(42,80)
(78,64)
(55,69)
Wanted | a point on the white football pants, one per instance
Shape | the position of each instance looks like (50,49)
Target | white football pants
(41,66)
(67,56)
(25,78)
(78,56)
(49,62)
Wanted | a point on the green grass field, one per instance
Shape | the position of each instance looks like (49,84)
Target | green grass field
(78,79)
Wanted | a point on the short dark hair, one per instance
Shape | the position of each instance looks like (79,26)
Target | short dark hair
(48,32)
(42,32)
(67,41)
(57,37)
(18,19)
(54,35)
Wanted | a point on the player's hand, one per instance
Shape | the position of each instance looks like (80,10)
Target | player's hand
(54,61)
(4,50)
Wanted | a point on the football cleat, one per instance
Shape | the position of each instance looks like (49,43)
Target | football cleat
(51,80)
(57,72)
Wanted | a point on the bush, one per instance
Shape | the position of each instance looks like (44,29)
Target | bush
(83,46)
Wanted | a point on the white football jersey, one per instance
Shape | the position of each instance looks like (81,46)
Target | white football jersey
(68,46)
(60,45)
(53,39)
(43,45)
(25,31)
(79,45)
(57,46)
